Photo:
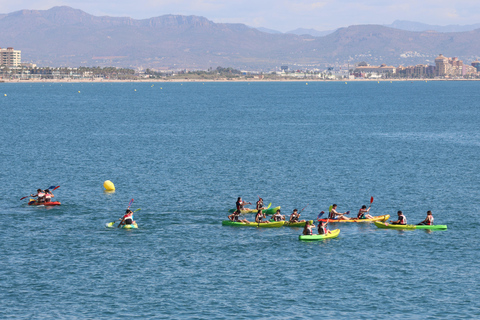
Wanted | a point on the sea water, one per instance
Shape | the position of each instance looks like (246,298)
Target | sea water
(185,151)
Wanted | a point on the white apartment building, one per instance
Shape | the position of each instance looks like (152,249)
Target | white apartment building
(10,57)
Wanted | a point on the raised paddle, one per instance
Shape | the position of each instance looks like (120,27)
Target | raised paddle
(52,187)
(303,209)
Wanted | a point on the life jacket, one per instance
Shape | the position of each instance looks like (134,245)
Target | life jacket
(331,215)
(403,219)
(361,214)
(128,216)
(322,230)
(259,217)
(430,220)
(259,204)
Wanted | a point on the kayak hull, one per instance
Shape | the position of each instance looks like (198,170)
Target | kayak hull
(318,237)
(296,224)
(382,225)
(125,226)
(253,224)
(46,204)
(266,211)
(377,218)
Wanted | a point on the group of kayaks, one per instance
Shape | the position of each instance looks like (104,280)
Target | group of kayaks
(379,221)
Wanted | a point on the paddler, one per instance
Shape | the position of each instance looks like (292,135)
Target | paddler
(40,196)
(308,229)
(259,216)
(277,216)
(127,218)
(240,204)
(333,214)
(295,216)
(322,228)
(428,220)
(363,213)
(48,195)
(401,219)
(260,204)
(235,217)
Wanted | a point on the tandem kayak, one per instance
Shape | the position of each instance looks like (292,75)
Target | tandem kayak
(125,226)
(253,224)
(46,204)
(317,237)
(383,225)
(377,218)
(268,210)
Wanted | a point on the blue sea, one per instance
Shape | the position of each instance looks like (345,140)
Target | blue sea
(185,151)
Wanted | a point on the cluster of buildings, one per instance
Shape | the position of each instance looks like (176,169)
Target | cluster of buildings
(444,68)
(448,68)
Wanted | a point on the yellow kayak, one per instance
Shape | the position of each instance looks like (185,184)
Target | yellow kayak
(317,237)
(377,218)
(253,224)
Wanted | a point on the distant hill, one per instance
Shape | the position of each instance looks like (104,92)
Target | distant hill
(266,30)
(312,32)
(63,36)
(419,27)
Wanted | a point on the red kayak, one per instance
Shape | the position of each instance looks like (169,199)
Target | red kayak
(46,204)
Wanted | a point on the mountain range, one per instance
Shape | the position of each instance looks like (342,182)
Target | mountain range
(63,36)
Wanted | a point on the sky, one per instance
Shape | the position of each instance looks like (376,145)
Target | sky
(281,15)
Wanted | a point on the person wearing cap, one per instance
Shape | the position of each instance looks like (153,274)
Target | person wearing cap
(363,213)
(428,220)
(308,229)
(277,216)
(127,218)
(322,228)
(401,219)
(40,196)
(295,216)
(259,216)
(333,214)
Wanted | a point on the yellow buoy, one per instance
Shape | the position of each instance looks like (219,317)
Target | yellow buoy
(135,89)
(5,94)
(78,91)
(345,82)
(109,186)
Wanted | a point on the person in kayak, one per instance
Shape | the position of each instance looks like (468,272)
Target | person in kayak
(322,228)
(333,214)
(401,219)
(295,216)
(308,229)
(363,213)
(40,196)
(235,217)
(428,220)
(259,216)
(48,195)
(277,216)
(127,218)
(260,204)
(240,204)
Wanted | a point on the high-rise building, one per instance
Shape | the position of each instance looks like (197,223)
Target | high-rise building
(441,64)
(10,57)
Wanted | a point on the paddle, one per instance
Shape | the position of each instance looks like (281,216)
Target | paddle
(303,209)
(320,215)
(52,187)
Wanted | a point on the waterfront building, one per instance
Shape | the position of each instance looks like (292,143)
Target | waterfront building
(476,65)
(375,71)
(10,57)
(441,64)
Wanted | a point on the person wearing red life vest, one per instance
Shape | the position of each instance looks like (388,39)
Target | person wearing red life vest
(322,228)
(127,218)
(48,195)
(40,196)
(428,220)
(401,219)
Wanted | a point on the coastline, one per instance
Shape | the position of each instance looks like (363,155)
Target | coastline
(218,80)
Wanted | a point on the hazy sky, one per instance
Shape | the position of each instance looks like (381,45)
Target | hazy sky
(282,15)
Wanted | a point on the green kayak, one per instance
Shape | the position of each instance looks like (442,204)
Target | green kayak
(383,225)
(253,224)
(317,237)
(268,211)
(125,226)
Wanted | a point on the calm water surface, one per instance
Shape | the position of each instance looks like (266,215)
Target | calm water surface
(186,151)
